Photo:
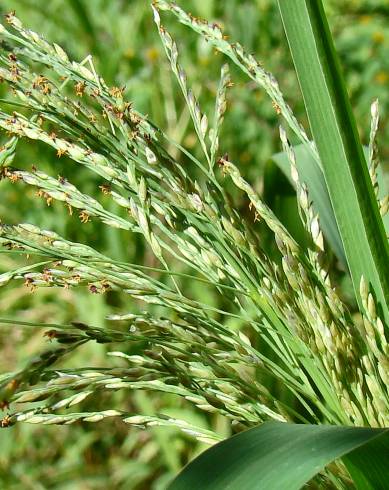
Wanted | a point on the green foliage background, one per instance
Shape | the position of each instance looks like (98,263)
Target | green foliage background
(126,51)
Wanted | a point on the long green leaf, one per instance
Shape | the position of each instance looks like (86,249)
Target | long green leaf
(277,455)
(334,131)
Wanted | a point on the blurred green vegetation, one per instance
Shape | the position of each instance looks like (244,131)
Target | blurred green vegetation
(126,50)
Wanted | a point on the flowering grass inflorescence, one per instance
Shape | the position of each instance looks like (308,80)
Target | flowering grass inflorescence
(295,329)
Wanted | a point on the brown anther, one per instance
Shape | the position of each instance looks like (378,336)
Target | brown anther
(50,334)
(61,180)
(127,106)
(133,134)
(119,114)
(225,158)
(46,276)
(39,81)
(45,195)
(80,89)
(13,177)
(46,90)
(135,119)
(105,286)
(84,217)
(14,70)
(60,152)
(6,421)
(70,209)
(29,283)
(222,162)
(12,57)
(116,92)
(10,16)
(105,189)
(93,288)
(276,107)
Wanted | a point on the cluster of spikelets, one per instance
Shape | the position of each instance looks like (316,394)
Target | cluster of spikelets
(334,369)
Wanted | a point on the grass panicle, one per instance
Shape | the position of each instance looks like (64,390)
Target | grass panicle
(290,327)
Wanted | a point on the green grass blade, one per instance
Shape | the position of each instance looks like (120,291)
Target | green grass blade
(372,476)
(334,131)
(278,455)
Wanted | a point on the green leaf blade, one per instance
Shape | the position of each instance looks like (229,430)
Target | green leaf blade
(375,474)
(279,455)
